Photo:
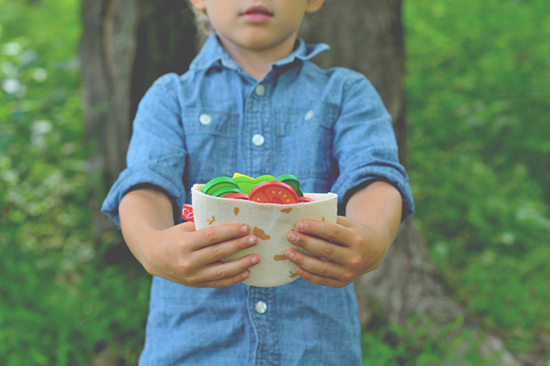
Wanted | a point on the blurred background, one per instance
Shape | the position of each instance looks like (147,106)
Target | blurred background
(478,114)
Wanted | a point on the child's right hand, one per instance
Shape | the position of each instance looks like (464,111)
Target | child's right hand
(181,253)
(192,257)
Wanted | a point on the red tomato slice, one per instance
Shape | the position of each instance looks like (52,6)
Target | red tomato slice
(305,199)
(273,192)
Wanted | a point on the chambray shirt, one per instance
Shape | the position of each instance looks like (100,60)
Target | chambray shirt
(327,127)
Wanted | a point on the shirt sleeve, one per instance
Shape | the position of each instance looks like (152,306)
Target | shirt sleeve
(365,146)
(156,154)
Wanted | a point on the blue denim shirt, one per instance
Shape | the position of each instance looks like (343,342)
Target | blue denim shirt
(327,127)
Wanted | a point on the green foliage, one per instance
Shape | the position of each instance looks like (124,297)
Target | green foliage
(48,318)
(478,89)
(479,80)
(414,345)
(58,300)
(42,180)
(479,99)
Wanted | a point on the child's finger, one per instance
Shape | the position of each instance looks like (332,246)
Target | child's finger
(219,251)
(222,272)
(228,281)
(320,280)
(188,226)
(219,233)
(322,248)
(327,230)
(319,267)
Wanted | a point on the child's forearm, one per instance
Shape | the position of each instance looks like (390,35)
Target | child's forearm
(142,212)
(377,206)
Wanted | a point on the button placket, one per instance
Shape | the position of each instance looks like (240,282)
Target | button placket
(261,303)
(256,129)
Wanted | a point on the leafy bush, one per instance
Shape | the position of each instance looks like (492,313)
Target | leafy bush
(413,345)
(479,99)
(478,86)
(51,319)
(57,295)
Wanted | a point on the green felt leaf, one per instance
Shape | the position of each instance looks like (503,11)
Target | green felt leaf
(247,184)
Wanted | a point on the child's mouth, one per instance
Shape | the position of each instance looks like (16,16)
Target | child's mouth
(256,14)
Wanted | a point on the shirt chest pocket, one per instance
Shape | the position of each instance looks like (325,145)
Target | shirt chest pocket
(210,140)
(304,140)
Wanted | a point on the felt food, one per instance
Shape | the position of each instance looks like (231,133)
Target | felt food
(247,184)
(292,181)
(237,196)
(270,222)
(221,186)
(187,213)
(273,192)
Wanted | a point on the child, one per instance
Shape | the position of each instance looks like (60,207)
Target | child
(253,103)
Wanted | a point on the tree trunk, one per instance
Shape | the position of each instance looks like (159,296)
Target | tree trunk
(125,46)
(368,36)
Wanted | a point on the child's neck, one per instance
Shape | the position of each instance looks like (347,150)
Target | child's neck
(257,62)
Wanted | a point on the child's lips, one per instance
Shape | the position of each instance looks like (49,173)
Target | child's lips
(256,14)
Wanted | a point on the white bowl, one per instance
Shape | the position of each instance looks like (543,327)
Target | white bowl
(270,223)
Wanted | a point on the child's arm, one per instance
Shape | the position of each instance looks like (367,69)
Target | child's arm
(181,253)
(355,245)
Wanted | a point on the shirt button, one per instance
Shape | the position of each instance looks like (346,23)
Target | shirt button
(309,116)
(258,140)
(260,90)
(205,119)
(261,307)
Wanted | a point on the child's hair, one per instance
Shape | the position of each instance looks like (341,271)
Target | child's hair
(201,21)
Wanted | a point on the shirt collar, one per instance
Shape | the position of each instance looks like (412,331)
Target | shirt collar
(212,53)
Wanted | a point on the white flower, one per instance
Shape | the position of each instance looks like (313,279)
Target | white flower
(41,127)
(9,69)
(11,86)
(12,49)
(40,74)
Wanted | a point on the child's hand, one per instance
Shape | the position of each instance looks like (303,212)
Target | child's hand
(352,249)
(181,253)
(192,257)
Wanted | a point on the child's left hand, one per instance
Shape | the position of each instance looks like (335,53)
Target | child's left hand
(352,249)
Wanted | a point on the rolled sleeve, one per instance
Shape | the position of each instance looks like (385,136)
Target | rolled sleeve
(365,146)
(156,154)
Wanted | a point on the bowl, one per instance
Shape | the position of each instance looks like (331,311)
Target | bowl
(270,222)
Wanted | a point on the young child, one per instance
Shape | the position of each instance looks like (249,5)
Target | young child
(253,103)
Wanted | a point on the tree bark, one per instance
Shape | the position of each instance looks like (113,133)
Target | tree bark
(107,52)
(368,36)
(125,46)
